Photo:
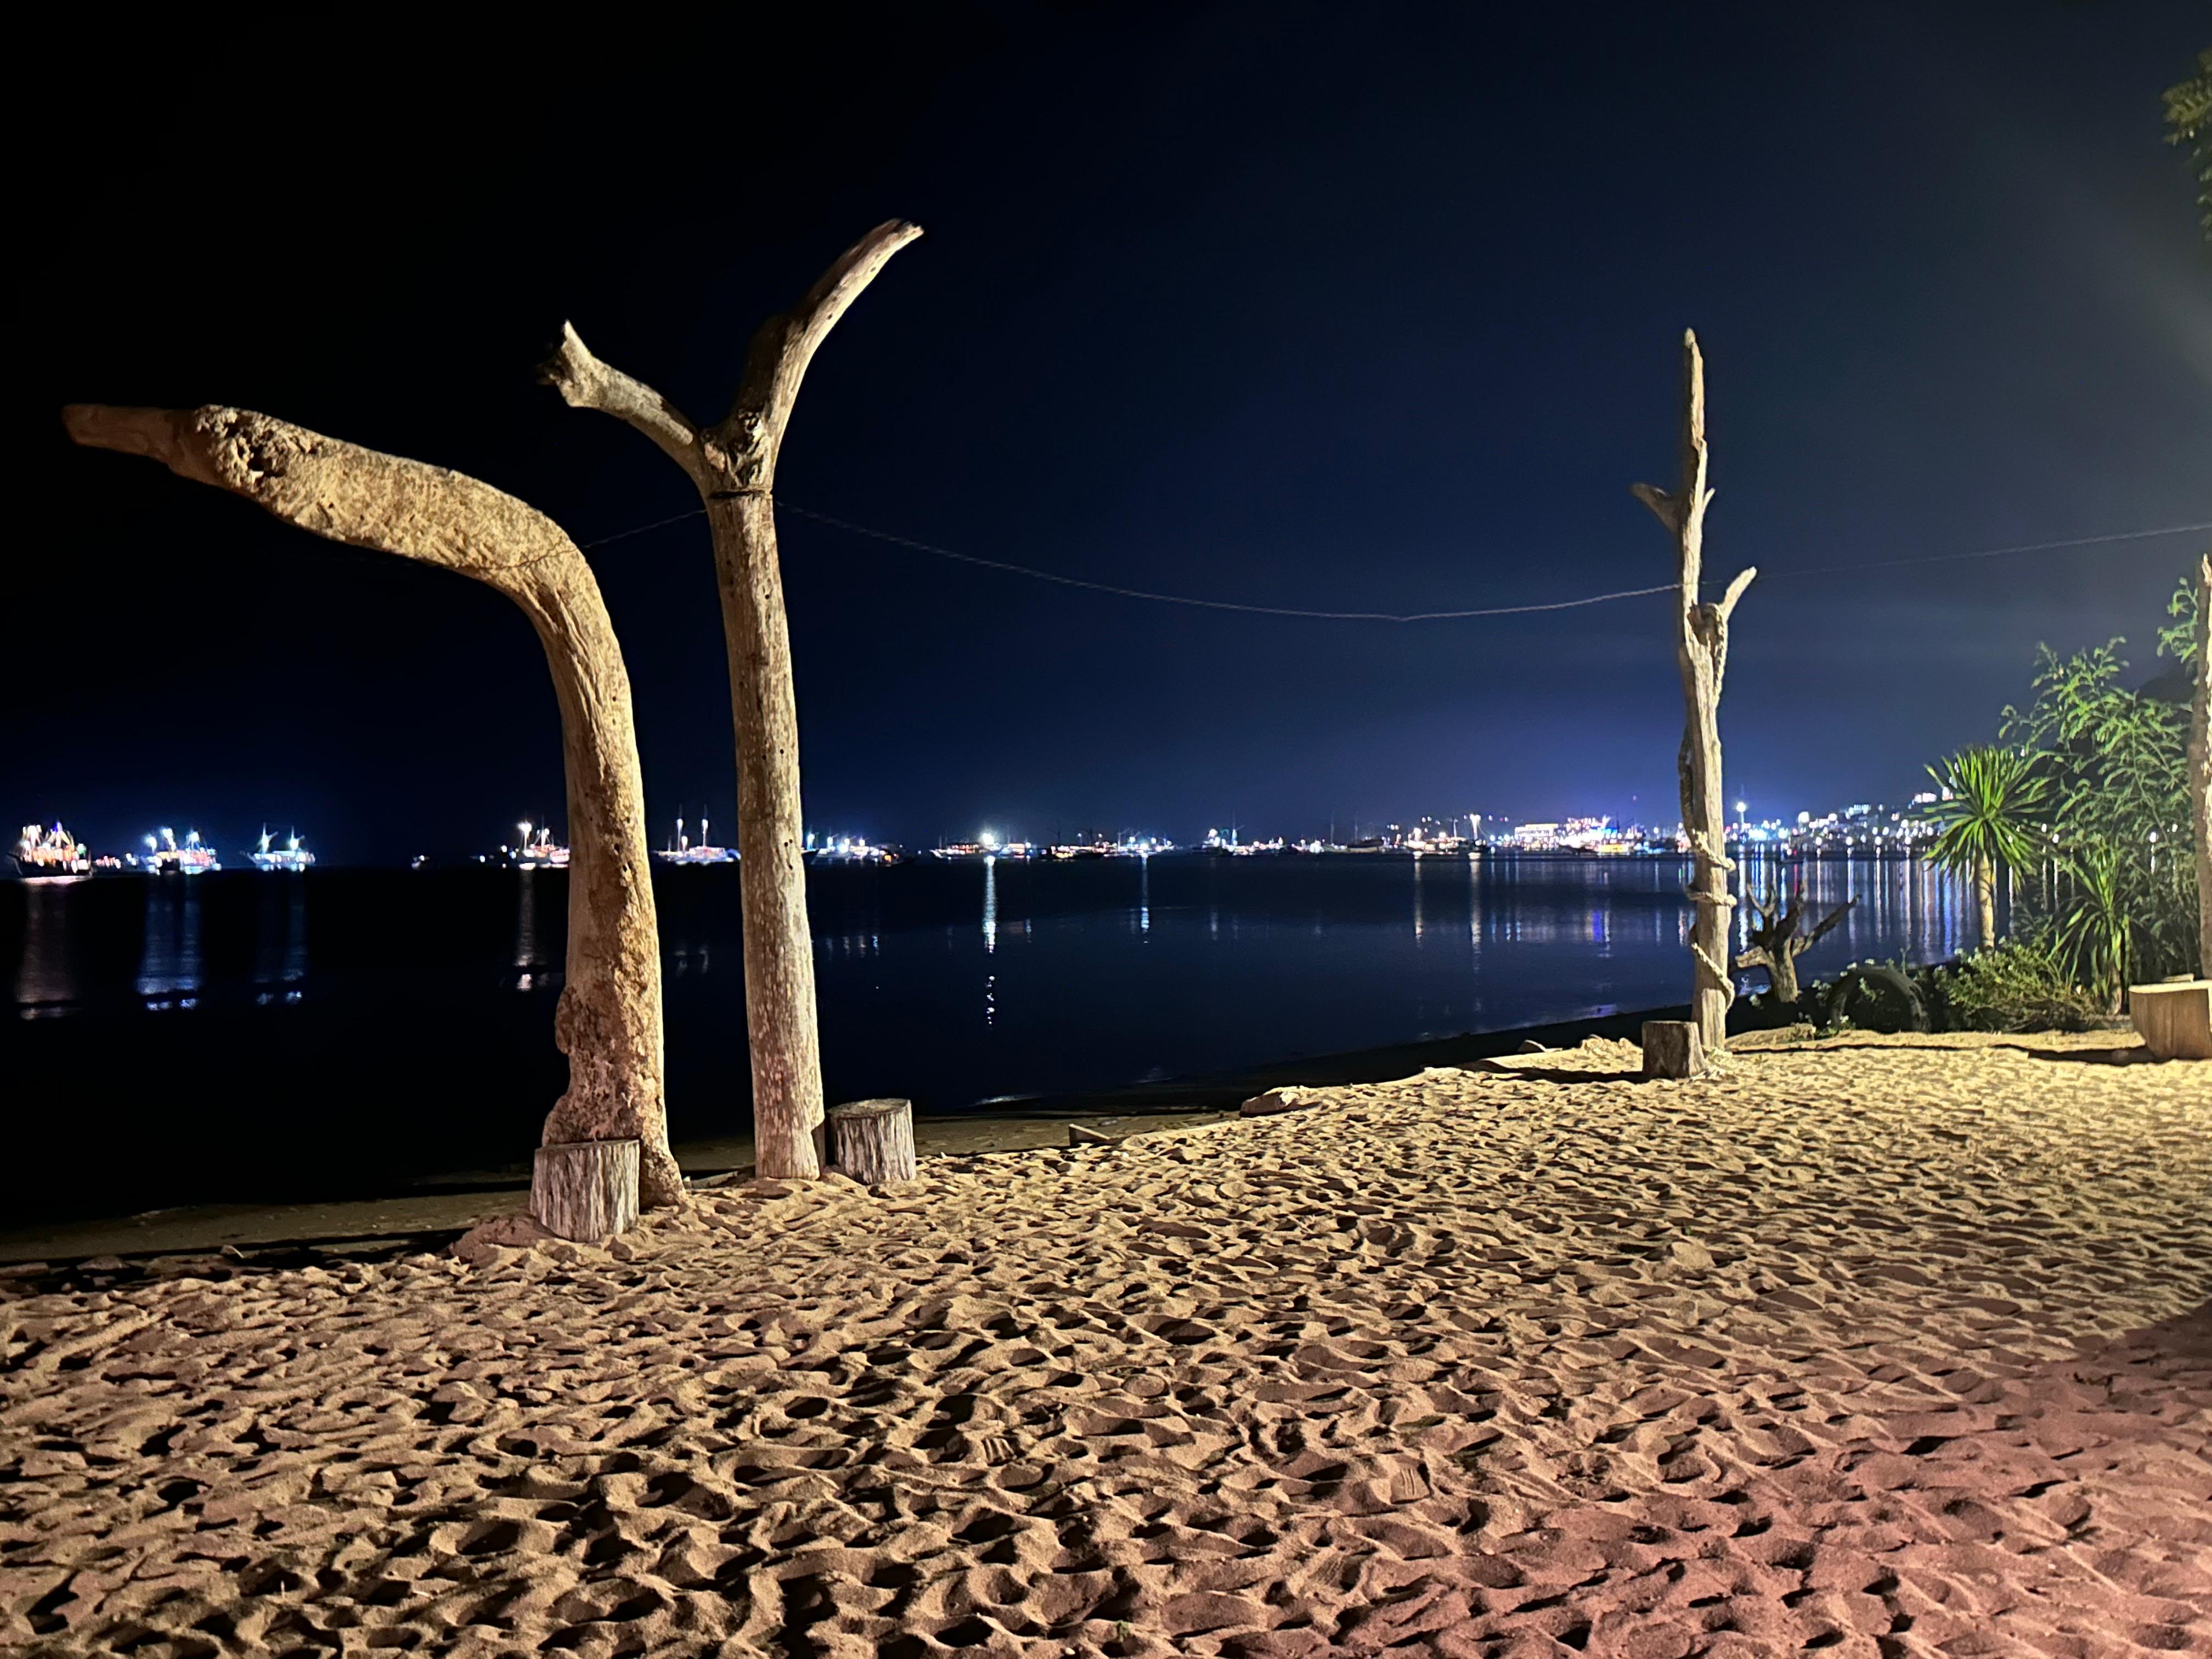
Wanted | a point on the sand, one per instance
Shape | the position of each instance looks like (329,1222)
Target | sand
(456,1202)
(1893,1347)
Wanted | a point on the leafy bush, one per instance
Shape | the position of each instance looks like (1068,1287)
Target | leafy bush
(2018,985)
(2118,873)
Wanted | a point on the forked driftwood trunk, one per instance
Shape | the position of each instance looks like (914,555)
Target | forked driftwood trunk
(609,1020)
(1701,652)
(1776,942)
(733,466)
(2200,766)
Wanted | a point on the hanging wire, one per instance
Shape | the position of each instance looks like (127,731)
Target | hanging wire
(657,523)
(935,551)
(1212,604)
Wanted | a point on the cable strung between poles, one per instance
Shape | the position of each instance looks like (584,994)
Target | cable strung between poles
(1214,604)
(936,551)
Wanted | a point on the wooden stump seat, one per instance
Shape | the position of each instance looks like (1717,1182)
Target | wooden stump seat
(585,1190)
(872,1141)
(1673,1049)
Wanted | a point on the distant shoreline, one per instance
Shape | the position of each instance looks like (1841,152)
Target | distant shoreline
(10,870)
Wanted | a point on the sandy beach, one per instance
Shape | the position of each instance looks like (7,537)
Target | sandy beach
(1873,1346)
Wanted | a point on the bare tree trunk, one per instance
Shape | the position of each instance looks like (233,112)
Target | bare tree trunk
(733,466)
(1985,898)
(2200,766)
(1778,939)
(609,1019)
(1701,653)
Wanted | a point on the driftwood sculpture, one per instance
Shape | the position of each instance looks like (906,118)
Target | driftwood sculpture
(609,1019)
(1701,652)
(733,466)
(1775,942)
(2200,766)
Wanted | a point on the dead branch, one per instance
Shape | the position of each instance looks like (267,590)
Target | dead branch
(584,382)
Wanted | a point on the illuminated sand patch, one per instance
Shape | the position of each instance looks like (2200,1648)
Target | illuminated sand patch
(1891,1347)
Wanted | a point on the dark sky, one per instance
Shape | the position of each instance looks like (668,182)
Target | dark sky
(1358,308)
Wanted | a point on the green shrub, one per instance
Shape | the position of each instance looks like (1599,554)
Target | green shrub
(2018,985)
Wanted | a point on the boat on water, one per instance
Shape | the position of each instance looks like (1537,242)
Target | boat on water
(986,846)
(535,849)
(290,856)
(684,850)
(166,855)
(45,854)
(849,849)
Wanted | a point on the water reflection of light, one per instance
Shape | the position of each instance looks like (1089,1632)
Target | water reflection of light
(46,978)
(280,945)
(1418,929)
(525,931)
(1145,895)
(170,969)
(990,905)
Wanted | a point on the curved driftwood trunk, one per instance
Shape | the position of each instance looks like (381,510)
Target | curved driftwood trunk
(609,1020)
(733,466)
(1701,653)
(2200,766)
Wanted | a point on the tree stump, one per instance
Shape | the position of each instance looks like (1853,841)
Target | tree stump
(1673,1048)
(2174,1020)
(872,1141)
(585,1190)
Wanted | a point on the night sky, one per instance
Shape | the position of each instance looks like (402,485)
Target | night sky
(1341,308)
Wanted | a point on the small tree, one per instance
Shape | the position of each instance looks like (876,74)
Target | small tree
(2189,639)
(1988,820)
(2117,762)
(2096,937)
(2200,764)
(1777,941)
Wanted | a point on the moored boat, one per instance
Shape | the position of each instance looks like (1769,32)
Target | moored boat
(48,853)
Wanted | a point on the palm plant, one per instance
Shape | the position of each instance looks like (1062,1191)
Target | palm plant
(1994,801)
(2097,936)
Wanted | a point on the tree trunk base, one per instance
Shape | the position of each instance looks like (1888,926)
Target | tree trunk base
(1673,1049)
(585,1190)
(2174,1020)
(872,1141)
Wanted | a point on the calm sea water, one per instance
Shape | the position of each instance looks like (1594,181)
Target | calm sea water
(182,1036)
